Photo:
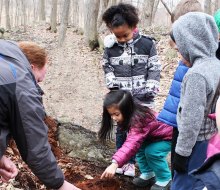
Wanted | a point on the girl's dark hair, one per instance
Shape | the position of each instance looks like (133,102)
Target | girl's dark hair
(131,111)
(120,14)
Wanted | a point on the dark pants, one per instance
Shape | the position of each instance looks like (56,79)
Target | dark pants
(120,139)
(208,179)
(173,146)
(184,181)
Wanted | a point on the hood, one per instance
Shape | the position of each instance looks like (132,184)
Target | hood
(196,36)
(10,49)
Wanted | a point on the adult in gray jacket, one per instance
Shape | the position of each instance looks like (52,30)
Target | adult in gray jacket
(22,117)
(196,37)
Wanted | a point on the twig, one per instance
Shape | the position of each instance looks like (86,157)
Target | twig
(167,8)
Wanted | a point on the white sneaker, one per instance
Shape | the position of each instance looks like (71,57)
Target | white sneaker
(119,171)
(129,170)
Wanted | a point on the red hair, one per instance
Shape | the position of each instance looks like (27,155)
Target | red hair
(35,54)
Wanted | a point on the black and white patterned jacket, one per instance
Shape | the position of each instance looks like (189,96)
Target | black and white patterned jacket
(133,66)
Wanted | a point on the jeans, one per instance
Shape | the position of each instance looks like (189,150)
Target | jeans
(120,139)
(184,181)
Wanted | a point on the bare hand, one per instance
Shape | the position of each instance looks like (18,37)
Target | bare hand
(68,186)
(8,170)
(110,171)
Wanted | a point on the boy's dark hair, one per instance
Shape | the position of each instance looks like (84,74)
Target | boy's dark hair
(185,6)
(120,14)
(131,111)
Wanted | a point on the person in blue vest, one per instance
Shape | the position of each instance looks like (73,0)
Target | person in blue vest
(169,111)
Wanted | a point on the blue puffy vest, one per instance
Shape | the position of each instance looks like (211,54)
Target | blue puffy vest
(169,111)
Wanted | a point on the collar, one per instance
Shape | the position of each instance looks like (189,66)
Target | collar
(131,42)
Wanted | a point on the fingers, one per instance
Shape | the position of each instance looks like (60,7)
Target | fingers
(6,175)
(107,175)
(102,176)
(14,172)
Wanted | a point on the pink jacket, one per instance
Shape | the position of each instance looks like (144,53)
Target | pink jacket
(213,146)
(149,130)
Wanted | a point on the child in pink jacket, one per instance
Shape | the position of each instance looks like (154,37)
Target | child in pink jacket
(147,137)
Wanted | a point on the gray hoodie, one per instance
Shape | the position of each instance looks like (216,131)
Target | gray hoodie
(196,37)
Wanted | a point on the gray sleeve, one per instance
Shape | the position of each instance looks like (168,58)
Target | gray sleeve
(153,75)
(35,149)
(111,81)
(191,113)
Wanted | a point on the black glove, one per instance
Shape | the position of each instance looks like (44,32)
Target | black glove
(180,163)
(114,88)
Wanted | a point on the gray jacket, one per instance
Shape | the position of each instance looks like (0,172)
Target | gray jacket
(196,37)
(22,115)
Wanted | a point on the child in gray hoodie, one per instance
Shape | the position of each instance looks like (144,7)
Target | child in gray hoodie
(196,37)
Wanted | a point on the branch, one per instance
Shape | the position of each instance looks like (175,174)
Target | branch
(167,8)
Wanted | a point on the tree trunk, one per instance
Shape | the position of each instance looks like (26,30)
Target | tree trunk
(1,1)
(35,10)
(81,13)
(217,5)
(24,14)
(8,24)
(75,13)
(42,10)
(166,7)
(147,13)
(90,23)
(53,16)
(156,3)
(102,8)
(207,7)
(64,22)
(16,13)
(111,2)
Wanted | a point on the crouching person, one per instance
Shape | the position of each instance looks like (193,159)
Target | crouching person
(22,117)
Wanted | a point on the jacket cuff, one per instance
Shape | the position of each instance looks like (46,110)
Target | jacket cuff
(59,185)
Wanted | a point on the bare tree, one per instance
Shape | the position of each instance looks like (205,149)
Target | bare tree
(217,5)
(42,15)
(8,24)
(64,22)
(208,7)
(24,14)
(147,12)
(156,3)
(166,7)
(102,7)
(112,2)
(1,10)
(75,13)
(53,16)
(90,22)
(35,10)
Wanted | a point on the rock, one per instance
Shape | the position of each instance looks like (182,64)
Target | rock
(82,143)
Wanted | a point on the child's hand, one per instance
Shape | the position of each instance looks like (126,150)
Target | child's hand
(110,171)
(8,170)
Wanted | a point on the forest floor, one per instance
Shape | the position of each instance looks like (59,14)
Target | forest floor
(74,88)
